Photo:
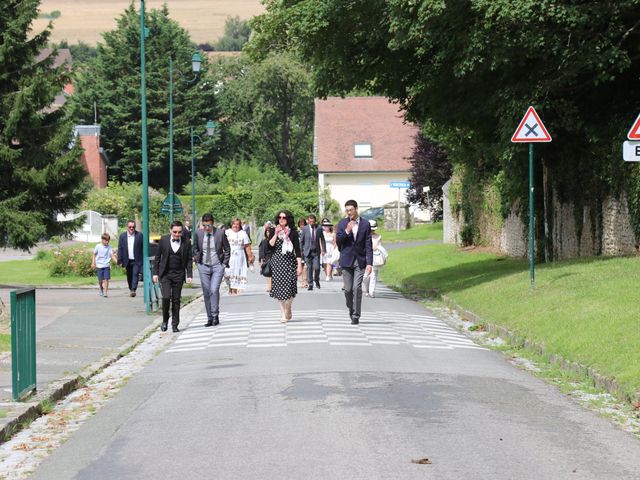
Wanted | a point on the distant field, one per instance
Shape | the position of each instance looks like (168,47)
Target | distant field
(86,19)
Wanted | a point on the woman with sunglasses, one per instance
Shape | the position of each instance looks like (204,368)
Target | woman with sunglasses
(286,263)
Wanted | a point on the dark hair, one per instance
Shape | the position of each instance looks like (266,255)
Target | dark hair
(351,203)
(105,236)
(175,223)
(311,215)
(207,217)
(302,221)
(289,215)
(131,221)
(269,232)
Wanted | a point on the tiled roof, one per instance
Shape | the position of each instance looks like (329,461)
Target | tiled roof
(342,122)
(64,56)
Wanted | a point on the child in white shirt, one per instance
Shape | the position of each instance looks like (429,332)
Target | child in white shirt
(102,256)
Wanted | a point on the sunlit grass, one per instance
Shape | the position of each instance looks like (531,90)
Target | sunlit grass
(421,231)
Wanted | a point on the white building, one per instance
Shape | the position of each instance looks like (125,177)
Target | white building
(361,145)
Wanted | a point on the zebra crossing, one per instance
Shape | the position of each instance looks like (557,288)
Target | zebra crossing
(262,329)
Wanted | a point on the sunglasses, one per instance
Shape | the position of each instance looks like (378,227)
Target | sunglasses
(282,216)
(176,231)
(207,225)
(131,227)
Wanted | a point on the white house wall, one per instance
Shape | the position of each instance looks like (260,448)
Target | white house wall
(368,189)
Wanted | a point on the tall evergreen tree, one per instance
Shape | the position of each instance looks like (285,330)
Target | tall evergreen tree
(40,175)
(112,81)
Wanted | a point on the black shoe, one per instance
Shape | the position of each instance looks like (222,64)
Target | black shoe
(216,321)
(175,329)
(164,326)
(318,284)
(209,323)
(310,287)
(354,321)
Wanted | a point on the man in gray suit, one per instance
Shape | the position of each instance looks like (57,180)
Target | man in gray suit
(313,247)
(211,252)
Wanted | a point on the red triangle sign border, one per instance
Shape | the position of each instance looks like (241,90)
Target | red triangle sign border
(545,138)
(634,132)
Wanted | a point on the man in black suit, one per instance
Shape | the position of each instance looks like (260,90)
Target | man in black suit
(313,247)
(172,261)
(353,238)
(130,255)
(211,252)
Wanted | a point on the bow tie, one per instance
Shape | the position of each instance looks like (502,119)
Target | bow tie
(174,240)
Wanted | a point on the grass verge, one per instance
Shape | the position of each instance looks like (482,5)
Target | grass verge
(584,310)
(421,231)
(36,272)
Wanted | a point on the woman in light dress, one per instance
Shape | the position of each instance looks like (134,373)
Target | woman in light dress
(370,281)
(241,256)
(328,258)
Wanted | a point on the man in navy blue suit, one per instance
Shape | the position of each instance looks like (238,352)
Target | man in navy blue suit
(130,255)
(353,238)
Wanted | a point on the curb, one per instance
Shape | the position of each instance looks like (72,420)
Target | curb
(59,389)
(610,385)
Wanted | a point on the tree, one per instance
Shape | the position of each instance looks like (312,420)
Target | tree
(112,81)
(40,175)
(467,70)
(236,34)
(430,167)
(268,111)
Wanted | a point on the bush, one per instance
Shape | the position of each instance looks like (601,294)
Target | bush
(73,261)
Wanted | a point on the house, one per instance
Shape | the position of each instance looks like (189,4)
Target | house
(93,158)
(62,58)
(361,145)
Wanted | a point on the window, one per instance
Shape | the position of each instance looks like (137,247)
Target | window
(362,150)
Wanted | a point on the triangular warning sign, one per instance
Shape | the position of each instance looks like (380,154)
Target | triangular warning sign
(634,133)
(531,129)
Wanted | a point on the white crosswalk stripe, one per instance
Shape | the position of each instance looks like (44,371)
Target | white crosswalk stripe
(324,326)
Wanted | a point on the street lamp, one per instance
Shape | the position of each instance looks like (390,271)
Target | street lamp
(145,174)
(211,126)
(196,62)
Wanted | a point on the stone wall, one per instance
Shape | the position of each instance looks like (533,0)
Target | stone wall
(614,236)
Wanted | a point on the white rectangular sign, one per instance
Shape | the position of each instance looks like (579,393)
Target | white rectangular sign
(631,151)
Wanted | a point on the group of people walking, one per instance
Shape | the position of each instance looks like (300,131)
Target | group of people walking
(226,253)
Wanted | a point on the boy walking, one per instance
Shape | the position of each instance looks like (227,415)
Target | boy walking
(102,256)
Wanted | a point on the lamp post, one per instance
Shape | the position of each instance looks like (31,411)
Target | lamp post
(145,174)
(196,62)
(211,126)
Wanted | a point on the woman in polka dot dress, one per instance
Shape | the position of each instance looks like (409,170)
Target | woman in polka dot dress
(286,263)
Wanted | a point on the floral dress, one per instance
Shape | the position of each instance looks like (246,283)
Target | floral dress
(238,262)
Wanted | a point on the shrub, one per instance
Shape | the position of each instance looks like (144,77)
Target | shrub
(73,261)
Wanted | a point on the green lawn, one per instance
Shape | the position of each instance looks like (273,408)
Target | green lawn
(36,272)
(421,231)
(586,310)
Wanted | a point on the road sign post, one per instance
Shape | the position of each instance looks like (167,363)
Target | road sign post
(531,130)
(399,185)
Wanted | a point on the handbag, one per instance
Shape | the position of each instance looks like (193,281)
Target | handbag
(380,256)
(335,256)
(265,269)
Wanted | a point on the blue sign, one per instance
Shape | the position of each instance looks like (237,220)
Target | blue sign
(400,184)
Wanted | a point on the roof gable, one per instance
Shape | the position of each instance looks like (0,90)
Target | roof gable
(342,123)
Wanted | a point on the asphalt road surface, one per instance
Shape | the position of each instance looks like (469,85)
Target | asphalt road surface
(322,399)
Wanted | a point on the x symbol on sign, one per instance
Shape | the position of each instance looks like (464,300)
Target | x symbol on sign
(531,129)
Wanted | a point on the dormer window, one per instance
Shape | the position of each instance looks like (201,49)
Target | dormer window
(362,150)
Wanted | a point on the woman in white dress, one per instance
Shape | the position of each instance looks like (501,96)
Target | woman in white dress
(241,256)
(379,257)
(327,258)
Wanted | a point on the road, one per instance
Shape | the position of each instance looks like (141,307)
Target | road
(322,399)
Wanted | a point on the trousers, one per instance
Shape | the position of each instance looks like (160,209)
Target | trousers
(210,279)
(171,289)
(352,280)
(133,273)
(312,261)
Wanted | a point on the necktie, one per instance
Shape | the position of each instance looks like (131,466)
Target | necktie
(313,236)
(207,259)
(174,240)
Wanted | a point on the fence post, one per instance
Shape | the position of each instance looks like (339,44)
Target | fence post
(23,342)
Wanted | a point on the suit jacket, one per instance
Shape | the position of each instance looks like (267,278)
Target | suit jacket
(352,249)
(162,257)
(123,249)
(223,249)
(306,240)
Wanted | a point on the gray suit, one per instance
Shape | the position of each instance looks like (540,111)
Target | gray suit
(313,244)
(211,273)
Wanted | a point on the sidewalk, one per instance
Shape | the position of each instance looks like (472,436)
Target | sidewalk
(78,334)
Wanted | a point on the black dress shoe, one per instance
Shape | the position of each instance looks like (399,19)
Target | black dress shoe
(175,329)
(318,284)
(309,287)
(209,323)
(354,321)
(216,321)
(164,326)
